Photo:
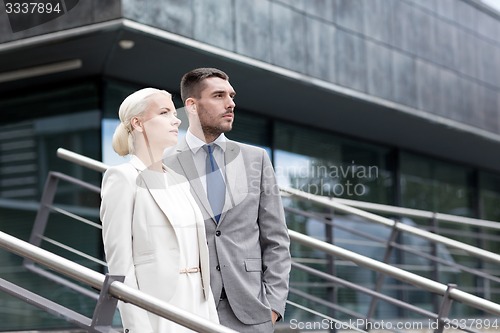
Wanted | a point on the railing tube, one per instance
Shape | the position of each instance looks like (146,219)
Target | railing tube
(166,310)
(116,289)
(397,273)
(472,250)
(81,160)
(53,261)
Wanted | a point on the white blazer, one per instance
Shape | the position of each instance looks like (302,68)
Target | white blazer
(139,239)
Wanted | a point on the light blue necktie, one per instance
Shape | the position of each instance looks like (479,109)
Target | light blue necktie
(216,188)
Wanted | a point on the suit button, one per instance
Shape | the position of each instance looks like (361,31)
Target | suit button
(217,233)
(217,267)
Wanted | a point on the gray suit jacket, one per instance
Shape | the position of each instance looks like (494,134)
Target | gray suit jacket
(249,247)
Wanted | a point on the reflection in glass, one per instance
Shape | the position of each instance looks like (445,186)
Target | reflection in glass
(324,164)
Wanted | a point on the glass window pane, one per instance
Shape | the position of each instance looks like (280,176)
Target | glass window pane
(490,238)
(322,163)
(438,186)
(251,129)
(325,164)
(39,124)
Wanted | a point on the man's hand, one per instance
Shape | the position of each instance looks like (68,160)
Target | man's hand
(274,316)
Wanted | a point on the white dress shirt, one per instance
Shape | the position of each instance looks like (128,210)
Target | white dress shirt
(200,155)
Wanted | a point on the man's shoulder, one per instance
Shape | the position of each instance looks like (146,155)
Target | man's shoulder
(173,152)
(244,147)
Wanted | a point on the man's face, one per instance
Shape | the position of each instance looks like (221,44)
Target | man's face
(215,106)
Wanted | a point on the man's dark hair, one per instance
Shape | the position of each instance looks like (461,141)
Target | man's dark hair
(192,81)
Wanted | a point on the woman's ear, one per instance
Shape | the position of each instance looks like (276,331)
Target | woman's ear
(136,124)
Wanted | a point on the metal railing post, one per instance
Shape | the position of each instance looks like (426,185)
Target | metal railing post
(445,308)
(343,205)
(43,213)
(380,276)
(45,304)
(330,266)
(434,263)
(106,306)
(96,280)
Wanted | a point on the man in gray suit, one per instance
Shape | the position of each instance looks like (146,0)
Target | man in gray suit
(235,187)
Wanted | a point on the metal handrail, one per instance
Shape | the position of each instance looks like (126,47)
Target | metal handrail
(332,203)
(382,242)
(81,160)
(397,273)
(354,286)
(358,259)
(410,212)
(418,213)
(117,289)
(335,204)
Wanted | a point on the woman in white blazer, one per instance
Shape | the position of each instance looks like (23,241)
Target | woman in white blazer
(153,230)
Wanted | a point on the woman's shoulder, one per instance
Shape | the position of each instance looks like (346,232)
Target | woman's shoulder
(125,170)
(124,167)
(119,180)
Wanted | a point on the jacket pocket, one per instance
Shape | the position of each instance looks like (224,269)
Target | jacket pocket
(144,258)
(253,265)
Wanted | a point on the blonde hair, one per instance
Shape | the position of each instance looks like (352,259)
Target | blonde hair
(134,105)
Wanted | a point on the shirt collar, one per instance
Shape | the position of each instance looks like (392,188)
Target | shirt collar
(196,143)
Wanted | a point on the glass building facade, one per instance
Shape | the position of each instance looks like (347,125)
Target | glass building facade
(312,160)
(392,102)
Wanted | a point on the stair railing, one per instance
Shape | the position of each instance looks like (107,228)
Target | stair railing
(449,292)
(112,290)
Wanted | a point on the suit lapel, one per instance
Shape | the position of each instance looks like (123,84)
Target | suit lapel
(155,183)
(236,177)
(185,159)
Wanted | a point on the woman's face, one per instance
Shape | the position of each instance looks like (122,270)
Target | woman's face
(160,121)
